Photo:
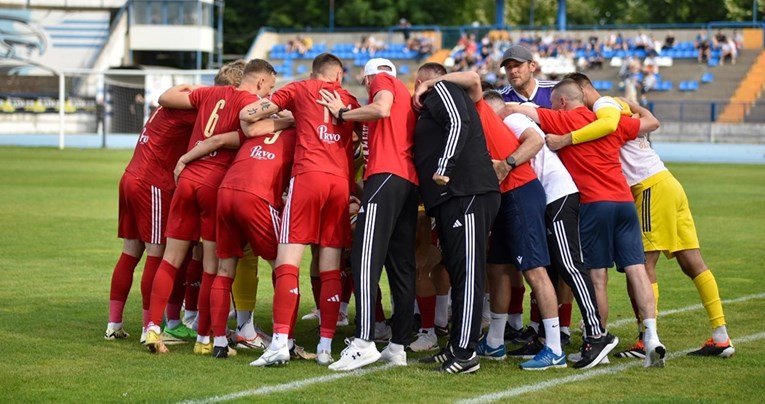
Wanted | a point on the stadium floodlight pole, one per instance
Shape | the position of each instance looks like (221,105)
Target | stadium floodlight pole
(61,103)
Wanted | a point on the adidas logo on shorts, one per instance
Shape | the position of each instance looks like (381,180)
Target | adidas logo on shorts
(456,224)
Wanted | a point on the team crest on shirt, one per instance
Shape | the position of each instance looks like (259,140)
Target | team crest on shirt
(326,137)
(257,152)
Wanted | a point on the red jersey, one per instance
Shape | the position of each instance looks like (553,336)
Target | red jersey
(163,140)
(595,165)
(262,166)
(217,112)
(391,139)
(323,143)
(501,143)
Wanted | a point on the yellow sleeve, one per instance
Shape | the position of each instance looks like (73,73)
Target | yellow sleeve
(608,120)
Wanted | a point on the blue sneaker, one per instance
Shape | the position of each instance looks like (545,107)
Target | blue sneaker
(496,354)
(545,359)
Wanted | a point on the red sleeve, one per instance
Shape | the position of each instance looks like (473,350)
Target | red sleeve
(551,121)
(382,81)
(284,96)
(630,128)
(198,95)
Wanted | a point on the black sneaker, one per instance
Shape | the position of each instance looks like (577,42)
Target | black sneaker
(595,349)
(565,339)
(456,365)
(223,352)
(527,351)
(442,331)
(528,334)
(512,335)
(442,356)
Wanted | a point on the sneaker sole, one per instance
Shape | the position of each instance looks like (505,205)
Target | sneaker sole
(559,366)
(468,370)
(356,365)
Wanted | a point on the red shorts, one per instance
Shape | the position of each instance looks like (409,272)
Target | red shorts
(317,211)
(246,218)
(143,210)
(192,212)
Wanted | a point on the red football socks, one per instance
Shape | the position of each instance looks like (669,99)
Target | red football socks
(122,281)
(286,297)
(329,305)
(220,302)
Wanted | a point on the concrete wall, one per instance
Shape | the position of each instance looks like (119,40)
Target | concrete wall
(710,132)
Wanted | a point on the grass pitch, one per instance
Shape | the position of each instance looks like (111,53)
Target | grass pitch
(58,212)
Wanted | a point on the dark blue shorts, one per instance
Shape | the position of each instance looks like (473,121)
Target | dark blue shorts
(610,232)
(519,236)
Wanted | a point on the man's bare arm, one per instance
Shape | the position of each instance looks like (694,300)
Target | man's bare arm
(648,122)
(531,112)
(266,126)
(229,140)
(177,97)
(470,81)
(258,110)
(379,108)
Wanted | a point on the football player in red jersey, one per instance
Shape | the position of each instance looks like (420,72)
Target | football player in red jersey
(145,192)
(317,202)
(192,212)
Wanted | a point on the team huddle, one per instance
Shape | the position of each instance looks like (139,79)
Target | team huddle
(460,192)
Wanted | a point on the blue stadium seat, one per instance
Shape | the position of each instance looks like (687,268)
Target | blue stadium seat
(301,69)
(707,77)
(713,62)
(403,69)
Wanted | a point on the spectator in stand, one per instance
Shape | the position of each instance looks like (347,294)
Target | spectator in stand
(301,44)
(669,41)
(406,29)
(727,47)
(702,46)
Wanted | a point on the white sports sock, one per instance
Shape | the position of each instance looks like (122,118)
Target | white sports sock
(362,343)
(172,323)
(534,325)
(515,320)
(278,341)
(565,330)
(720,334)
(153,327)
(442,310)
(190,316)
(203,339)
(244,326)
(325,344)
(220,341)
(496,335)
(291,344)
(650,333)
(552,334)
(114,326)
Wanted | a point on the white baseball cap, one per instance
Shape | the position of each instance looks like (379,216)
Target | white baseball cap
(373,67)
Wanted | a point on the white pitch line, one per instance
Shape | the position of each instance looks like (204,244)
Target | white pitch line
(537,387)
(280,388)
(299,384)
(626,321)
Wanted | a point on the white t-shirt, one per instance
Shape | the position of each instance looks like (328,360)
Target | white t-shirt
(639,160)
(551,172)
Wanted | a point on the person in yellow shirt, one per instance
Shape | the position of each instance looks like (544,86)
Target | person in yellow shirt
(662,205)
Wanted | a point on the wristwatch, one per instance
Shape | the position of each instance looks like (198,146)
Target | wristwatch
(340,113)
(510,160)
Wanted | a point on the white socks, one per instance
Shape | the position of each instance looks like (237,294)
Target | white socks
(442,310)
(552,334)
(278,341)
(325,344)
(515,320)
(496,335)
(244,326)
(720,334)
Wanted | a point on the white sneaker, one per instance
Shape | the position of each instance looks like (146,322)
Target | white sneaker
(398,359)
(313,315)
(354,357)
(143,336)
(654,354)
(272,357)
(111,334)
(324,358)
(577,356)
(426,341)
(342,320)
(383,332)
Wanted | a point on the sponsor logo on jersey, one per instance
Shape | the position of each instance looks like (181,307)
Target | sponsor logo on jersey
(257,152)
(143,138)
(326,137)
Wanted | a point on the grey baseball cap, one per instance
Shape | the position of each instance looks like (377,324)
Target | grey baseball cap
(518,53)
